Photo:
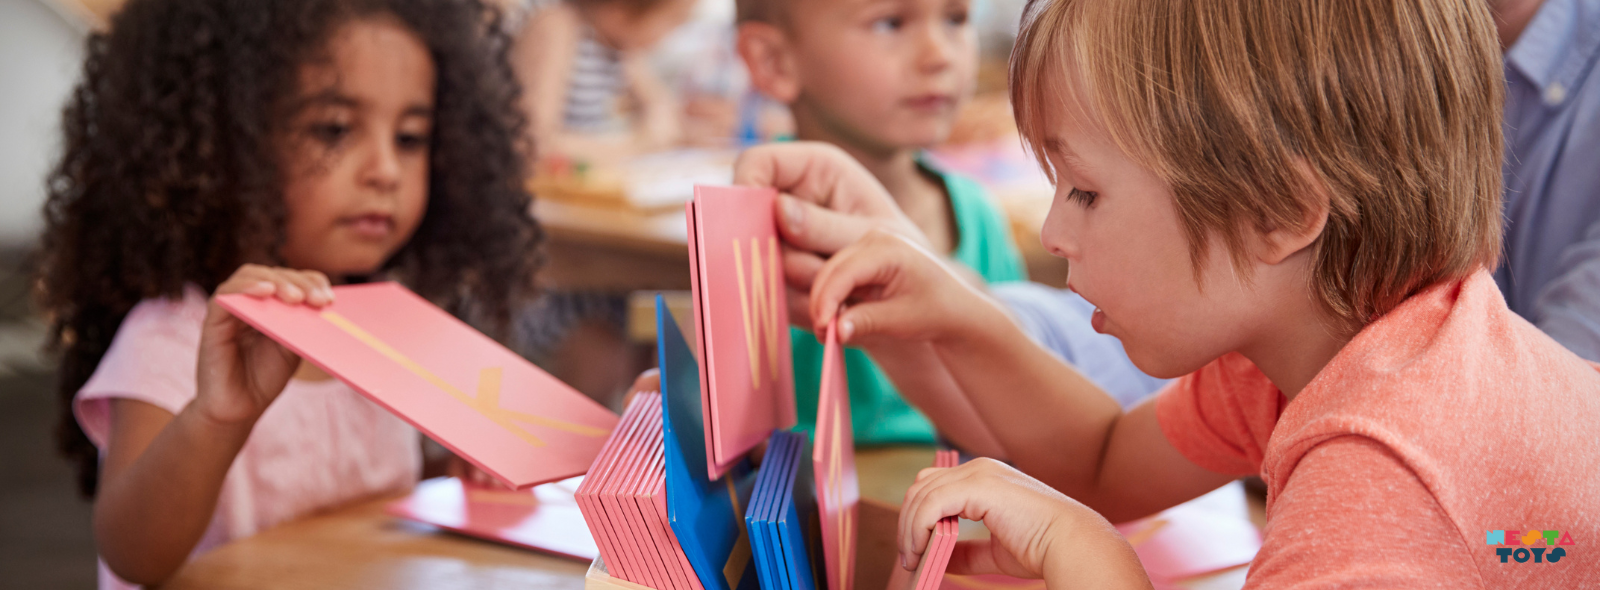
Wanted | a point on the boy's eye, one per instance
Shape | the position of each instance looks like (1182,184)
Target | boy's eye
(888,24)
(958,19)
(1084,198)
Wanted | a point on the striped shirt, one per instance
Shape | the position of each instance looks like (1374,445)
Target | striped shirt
(594,88)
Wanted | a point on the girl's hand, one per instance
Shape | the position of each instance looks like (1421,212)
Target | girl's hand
(1035,531)
(241,371)
(896,289)
(470,475)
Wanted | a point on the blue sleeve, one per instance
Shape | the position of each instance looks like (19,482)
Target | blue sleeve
(1058,320)
(1568,309)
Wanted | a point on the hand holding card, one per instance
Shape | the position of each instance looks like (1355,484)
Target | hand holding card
(480,400)
(742,321)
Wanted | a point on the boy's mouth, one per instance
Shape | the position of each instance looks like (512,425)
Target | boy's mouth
(1097,320)
(930,102)
(372,226)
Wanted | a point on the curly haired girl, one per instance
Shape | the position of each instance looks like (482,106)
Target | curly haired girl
(212,146)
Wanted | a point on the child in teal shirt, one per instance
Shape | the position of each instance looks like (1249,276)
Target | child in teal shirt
(883,85)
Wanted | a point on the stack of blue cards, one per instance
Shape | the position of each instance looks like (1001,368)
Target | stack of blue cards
(782,515)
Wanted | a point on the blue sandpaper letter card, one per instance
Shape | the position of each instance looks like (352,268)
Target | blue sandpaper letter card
(706,515)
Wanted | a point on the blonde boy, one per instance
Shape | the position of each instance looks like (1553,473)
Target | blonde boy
(1291,206)
(882,80)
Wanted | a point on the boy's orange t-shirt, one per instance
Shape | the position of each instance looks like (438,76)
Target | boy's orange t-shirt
(1445,420)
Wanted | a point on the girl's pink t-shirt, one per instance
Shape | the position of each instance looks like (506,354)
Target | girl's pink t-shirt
(1443,422)
(319,445)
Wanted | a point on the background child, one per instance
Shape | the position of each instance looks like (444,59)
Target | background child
(1311,261)
(882,81)
(590,92)
(351,139)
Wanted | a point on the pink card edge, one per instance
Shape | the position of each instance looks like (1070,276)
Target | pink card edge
(655,461)
(644,498)
(604,482)
(714,470)
(633,540)
(621,526)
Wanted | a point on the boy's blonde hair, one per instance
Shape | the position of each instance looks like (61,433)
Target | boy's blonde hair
(1250,109)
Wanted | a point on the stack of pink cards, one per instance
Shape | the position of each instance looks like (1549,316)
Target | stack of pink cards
(624,502)
(477,398)
(930,570)
(545,518)
(741,321)
(834,467)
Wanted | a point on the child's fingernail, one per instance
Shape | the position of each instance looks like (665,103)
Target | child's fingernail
(793,214)
(846,328)
(904,564)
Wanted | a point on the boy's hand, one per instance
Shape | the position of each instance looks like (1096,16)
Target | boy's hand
(1034,530)
(896,289)
(828,202)
(241,371)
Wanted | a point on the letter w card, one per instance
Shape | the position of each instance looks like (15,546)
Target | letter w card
(742,321)
(482,401)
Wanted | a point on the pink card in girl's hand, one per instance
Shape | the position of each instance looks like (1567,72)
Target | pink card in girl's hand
(834,464)
(482,401)
(741,321)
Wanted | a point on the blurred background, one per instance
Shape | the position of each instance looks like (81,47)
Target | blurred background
(45,541)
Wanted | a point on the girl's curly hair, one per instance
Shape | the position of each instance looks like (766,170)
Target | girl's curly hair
(170,176)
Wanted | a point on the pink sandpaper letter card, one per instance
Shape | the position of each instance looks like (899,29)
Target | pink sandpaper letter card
(742,321)
(482,401)
(545,518)
(834,464)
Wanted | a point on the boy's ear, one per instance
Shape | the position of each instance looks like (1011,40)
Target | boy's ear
(1279,243)
(766,52)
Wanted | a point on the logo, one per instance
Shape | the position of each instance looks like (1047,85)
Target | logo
(1537,545)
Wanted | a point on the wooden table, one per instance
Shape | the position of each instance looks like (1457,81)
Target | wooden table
(612,249)
(361,547)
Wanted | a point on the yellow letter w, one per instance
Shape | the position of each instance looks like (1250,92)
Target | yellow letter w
(760,303)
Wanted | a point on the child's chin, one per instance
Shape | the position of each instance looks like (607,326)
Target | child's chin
(355,266)
(1160,366)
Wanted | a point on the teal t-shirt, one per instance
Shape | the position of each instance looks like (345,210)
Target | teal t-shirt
(878,412)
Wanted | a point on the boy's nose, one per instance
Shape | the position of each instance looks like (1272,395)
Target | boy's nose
(937,47)
(1059,236)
